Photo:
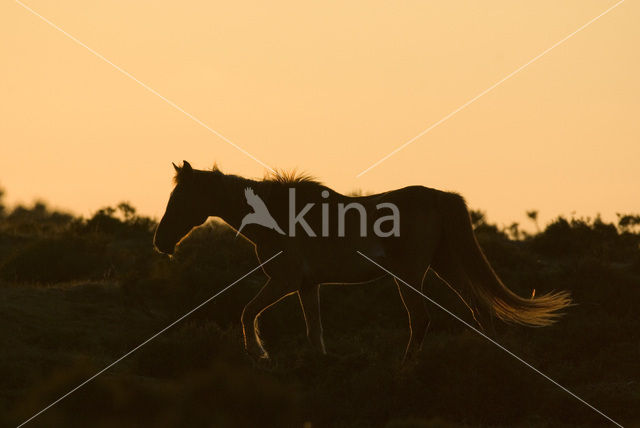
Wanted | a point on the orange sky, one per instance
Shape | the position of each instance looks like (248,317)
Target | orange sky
(329,88)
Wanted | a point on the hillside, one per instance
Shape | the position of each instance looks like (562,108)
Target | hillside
(76,294)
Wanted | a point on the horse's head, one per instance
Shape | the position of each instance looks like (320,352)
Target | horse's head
(186,209)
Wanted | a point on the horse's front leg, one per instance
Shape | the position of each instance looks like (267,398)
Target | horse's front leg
(416,308)
(270,293)
(310,301)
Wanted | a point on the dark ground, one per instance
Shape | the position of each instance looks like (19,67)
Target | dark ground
(75,294)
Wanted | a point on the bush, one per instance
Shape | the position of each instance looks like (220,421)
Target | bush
(55,259)
(197,374)
(593,239)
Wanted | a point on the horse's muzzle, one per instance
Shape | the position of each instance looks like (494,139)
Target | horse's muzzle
(164,248)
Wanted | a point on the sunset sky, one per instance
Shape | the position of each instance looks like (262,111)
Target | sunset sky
(329,88)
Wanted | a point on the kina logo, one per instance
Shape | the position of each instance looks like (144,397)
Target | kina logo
(260,214)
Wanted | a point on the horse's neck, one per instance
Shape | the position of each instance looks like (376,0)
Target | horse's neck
(230,203)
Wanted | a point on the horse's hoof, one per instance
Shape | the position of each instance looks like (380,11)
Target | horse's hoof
(408,364)
(257,353)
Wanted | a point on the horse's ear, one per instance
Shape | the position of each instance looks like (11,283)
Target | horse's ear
(186,166)
(176,167)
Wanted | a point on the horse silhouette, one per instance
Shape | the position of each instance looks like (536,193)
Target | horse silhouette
(260,214)
(436,233)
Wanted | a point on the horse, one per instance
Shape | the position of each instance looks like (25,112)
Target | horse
(430,230)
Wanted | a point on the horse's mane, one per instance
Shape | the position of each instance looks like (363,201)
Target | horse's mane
(278,176)
(290,177)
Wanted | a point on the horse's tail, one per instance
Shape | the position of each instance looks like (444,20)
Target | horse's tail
(461,251)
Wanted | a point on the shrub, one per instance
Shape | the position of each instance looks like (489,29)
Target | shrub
(55,259)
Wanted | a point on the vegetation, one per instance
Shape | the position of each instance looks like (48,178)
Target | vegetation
(76,294)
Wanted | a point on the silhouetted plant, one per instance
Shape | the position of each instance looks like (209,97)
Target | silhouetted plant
(121,220)
(584,237)
(514,231)
(37,220)
(55,259)
(533,216)
(478,218)
(2,207)
(629,223)
(196,374)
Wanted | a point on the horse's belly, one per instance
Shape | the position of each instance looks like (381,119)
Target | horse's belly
(344,266)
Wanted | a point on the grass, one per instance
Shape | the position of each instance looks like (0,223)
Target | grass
(76,294)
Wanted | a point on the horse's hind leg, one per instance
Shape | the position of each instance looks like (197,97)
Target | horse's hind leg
(416,308)
(457,280)
(270,293)
(310,301)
